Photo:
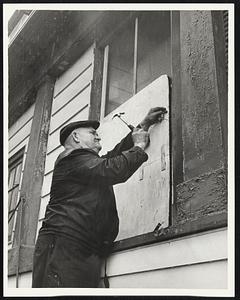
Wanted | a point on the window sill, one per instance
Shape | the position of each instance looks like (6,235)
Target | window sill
(206,223)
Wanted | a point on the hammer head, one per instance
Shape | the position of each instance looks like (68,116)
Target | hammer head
(118,115)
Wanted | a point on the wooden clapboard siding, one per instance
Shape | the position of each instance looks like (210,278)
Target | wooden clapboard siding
(196,254)
(84,61)
(74,106)
(44,203)
(19,132)
(71,103)
(209,275)
(77,88)
(21,121)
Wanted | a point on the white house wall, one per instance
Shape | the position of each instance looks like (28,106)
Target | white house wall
(198,261)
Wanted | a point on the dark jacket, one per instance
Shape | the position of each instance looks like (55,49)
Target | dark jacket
(82,202)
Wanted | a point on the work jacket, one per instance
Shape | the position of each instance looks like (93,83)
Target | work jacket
(82,203)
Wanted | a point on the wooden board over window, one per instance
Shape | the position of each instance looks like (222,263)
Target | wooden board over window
(142,201)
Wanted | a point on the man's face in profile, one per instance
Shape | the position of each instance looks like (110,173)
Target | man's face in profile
(89,138)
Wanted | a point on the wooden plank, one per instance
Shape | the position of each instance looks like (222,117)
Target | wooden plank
(209,222)
(142,201)
(47,180)
(22,134)
(76,88)
(176,141)
(76,105)
(203,247)
(210,275)
(44,203)
(18,147)
(81,114)
(104,82)
(85,59)
(96,87)
(21,121)
(51,158)
(34,165)
(221,74)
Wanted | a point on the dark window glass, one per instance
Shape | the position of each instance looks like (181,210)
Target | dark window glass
(153,57)
(153,47)
(120,68)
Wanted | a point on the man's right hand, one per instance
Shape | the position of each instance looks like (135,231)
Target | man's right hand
(140,138)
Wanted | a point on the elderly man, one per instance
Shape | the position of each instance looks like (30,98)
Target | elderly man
(81,220)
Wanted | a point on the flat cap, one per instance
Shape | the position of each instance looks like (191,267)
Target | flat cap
(66,130)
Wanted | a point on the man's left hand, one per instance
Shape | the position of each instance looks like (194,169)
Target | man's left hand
(155,115)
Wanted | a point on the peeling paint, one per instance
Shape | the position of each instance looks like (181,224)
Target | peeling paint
(202,195)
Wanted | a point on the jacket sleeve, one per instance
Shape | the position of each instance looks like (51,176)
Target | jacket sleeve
(90,168)
(125,144)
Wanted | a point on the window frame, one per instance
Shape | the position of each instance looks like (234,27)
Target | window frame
(13,163)
(175,229)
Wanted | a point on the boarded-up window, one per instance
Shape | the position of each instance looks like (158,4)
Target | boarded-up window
(143,200)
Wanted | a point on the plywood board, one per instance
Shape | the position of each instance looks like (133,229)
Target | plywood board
(142,201)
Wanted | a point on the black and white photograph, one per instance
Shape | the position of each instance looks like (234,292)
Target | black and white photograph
(118,164)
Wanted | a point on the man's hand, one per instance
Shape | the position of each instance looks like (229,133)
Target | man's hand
(140,138)
(155,115)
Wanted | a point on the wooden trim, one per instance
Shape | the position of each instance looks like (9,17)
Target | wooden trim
(104,82)
(26,259)
(135,64)
(34,171)
(176,143)
(219,48)
(175,231)
(96,87)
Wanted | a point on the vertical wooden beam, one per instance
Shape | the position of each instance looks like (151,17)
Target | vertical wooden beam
(176,143)
(96,88)
(104,82)
(34,165)
(135,57)
(219,42)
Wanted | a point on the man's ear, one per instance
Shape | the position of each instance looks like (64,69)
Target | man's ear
(75,136)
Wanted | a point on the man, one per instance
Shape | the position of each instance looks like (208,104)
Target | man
(81,220)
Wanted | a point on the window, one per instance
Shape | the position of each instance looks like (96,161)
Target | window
(136,56)
(14,177)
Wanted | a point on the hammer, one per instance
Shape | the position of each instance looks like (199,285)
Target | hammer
(119,116)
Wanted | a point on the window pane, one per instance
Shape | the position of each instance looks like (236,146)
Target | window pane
(18,173)
(120,68)
(153,47)
(11,178)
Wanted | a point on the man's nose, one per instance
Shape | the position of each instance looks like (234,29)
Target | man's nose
(98,138)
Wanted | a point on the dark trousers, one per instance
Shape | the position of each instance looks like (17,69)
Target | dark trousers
(59,262)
